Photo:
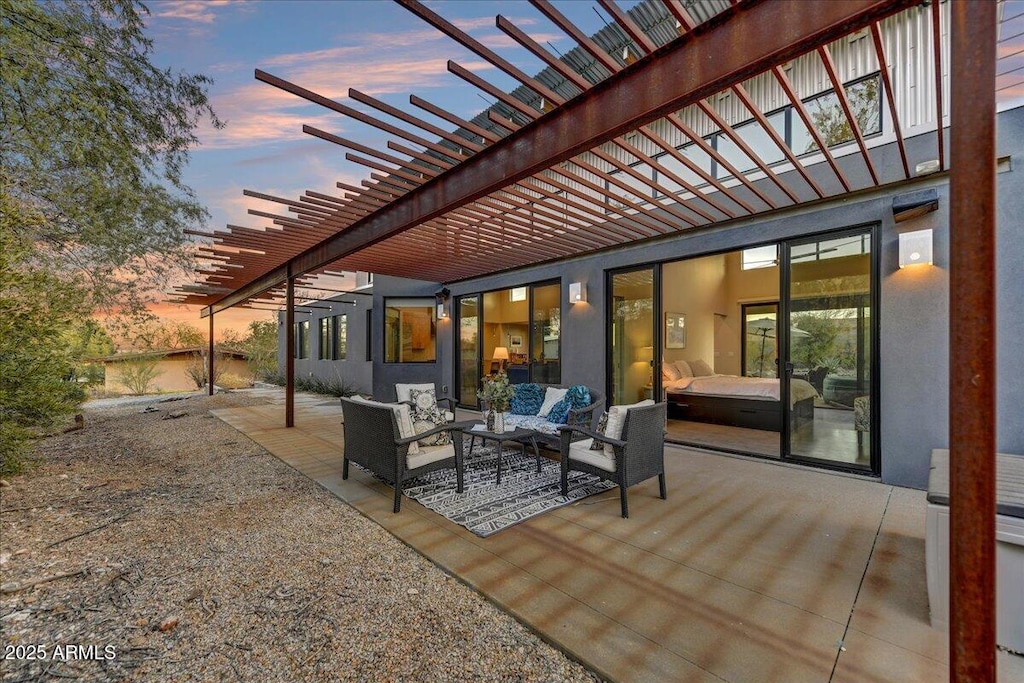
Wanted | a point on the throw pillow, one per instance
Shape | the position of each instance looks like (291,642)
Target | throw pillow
(426,415)
(669,372)
(551,397)
(701,369)
(527,399)
(578,396)
(683,368)
(602,425)
(617,420)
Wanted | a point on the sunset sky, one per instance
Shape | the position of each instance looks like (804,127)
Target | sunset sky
(376,47)
(330,46)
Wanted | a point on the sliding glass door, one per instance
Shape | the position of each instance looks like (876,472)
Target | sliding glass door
(633,340)
(516,331)
(828,340)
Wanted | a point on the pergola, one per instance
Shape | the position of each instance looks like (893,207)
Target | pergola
(550,172)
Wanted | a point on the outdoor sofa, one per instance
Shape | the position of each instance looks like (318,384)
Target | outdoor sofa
(548,435)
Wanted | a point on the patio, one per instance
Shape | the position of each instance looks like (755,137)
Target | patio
(750,571)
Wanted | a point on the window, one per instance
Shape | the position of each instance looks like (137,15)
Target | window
(369,334)
(302,339)
(339,337)
(760,257)
(865,98)
(760,353)
(326,333)
(410,331)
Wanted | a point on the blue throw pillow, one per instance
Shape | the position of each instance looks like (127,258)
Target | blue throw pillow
(577,397)
(527,399)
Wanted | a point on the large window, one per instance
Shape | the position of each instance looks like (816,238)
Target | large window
(326,332)
(333,337)
(410,331)
(301,333)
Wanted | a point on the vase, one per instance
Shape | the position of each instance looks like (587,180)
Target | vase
(499,423)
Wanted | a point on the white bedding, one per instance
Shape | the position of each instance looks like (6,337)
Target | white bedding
(750,387)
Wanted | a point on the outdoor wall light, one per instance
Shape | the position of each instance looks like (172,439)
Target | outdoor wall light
(577,292)
(442,299)
(916,248)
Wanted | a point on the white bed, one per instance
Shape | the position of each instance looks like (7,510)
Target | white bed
(764,388)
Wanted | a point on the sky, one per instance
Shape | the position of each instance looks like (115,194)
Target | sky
(327,46)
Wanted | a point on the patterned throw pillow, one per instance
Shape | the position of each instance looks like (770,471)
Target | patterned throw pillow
(527,399)
(602,424)
(578,396)
(426,415)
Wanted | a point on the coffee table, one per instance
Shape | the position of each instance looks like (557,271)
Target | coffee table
(519,436)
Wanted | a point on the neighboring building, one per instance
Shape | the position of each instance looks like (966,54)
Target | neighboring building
(171,368)
(868,338)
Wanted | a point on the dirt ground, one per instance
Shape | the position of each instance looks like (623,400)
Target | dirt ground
(151,547)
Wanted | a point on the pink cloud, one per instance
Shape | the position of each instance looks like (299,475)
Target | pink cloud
(199,11)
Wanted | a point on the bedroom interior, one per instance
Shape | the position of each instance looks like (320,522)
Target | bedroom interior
(719,370)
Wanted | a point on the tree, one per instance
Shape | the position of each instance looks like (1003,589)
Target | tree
(138,373)
(37,309)
(261,347)
(95,137)
(93,142)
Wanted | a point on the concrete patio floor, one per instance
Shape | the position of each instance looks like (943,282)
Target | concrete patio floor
(750,571)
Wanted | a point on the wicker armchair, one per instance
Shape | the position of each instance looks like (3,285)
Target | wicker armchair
(638,455)
(374,441)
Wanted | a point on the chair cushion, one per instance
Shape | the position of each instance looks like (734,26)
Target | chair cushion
(402,391)
(534,422)
(617,420)
(403,416)
(429,454)
(580,452)
(576,397)
(426,415)
(551,397)
(527,399)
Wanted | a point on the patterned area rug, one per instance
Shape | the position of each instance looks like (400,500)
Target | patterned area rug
(486,508)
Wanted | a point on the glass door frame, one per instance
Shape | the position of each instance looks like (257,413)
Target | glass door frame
(656,332)
(786,363)
(457,326)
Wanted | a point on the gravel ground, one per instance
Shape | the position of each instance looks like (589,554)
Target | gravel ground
(203,558)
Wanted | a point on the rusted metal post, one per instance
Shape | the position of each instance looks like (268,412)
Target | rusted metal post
(972,323)
(289,356)
(210,376)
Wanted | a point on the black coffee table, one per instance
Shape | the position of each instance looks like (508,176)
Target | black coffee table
(519,436)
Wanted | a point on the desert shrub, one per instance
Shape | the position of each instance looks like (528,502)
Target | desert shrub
(198,367)
(230,380)
(139,373)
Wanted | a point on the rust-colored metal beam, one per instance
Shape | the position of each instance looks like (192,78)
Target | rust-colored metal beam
(289,361)
(937,51)
(972,324)
(844,102)
(890,96)
(758,36)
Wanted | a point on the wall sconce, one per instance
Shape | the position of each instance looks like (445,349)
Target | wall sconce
(442,300)
(916,248)
(577,293)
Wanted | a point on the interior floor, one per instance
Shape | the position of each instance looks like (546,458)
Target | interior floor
(830,437)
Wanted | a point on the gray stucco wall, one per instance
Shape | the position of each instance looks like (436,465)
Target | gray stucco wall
(913,355)
(355,370)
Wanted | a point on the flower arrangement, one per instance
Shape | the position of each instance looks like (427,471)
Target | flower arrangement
(497,392)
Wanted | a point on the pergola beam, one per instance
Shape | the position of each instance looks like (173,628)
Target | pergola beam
(741,42)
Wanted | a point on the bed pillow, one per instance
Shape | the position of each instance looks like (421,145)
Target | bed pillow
(669,372)
(551,397)
(578,396)
(617,420)
(527,399)
(701,369)
(683,368)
